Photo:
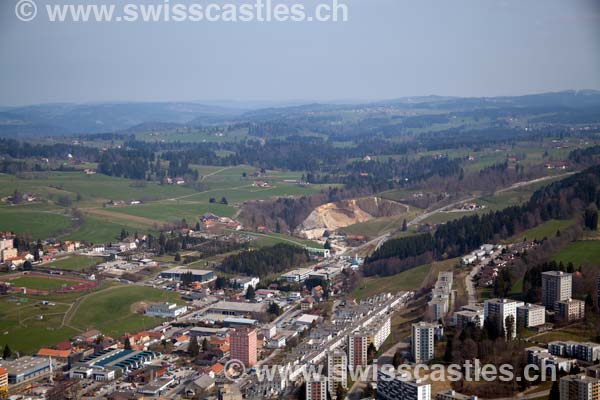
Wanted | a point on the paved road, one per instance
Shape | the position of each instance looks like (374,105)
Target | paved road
(470,284)
(535,395)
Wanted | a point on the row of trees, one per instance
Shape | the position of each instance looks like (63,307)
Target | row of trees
(267,260)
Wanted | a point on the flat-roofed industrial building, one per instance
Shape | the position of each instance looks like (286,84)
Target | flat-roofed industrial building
(197,275)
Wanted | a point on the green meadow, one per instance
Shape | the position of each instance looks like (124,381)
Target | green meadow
(580,252)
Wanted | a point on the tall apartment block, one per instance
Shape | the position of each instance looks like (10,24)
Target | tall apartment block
(579,387)
(337,370)
(357,349)
(243,346)
(316,387)
(423,341)
(501,311)
(556,286)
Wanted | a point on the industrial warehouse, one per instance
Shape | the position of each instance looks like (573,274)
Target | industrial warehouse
(196,275)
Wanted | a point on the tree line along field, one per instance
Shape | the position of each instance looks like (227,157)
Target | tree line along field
(113,309)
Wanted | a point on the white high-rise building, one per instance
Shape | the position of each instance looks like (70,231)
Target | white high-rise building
(337,370)
(423,341)
(556,286)
(501,311)
(380,331)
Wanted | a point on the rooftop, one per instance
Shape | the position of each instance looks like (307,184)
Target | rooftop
(24,364)
(46,352)
(556,273)
(183,270)
(239,307)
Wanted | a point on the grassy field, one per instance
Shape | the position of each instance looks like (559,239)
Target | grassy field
(407,280)
(175,211)
(75,263)
(378,226)
(48,220)
(112,311)
(23,331)
(580,332)
(547,229)
(161,204)
(100,229)
(580,252)
(246,192)
(39,224)
(516,290)
(94,189)
(272,238)
(192,135)
(38,282)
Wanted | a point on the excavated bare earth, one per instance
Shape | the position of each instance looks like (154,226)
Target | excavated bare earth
(333,216)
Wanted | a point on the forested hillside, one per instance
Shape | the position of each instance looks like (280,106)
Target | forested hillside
(560,200)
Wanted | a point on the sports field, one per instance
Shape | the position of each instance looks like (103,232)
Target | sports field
(23,330)
(74,263)
(39,283)
(112,309)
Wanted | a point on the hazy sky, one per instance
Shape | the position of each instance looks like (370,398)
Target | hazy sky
(388,48)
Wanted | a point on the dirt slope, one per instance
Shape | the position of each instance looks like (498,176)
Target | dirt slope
(332,216)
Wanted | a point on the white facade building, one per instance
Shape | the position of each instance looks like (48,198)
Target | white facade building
(165,310)
(503,310)
(423,341)
(531,315)
(337,370)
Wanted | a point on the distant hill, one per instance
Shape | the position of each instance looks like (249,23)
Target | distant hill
(106,117)
(52,119)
